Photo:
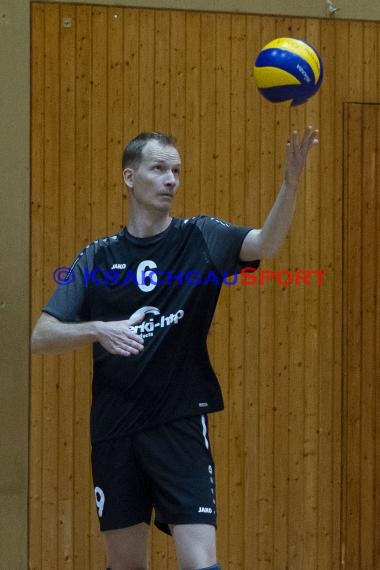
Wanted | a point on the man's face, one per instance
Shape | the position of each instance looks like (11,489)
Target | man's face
(154,183)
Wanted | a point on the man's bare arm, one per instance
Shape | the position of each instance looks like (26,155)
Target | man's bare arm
(266,242)
(52,336)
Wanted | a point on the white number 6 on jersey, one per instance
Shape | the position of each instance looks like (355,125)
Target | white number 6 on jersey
(146,277)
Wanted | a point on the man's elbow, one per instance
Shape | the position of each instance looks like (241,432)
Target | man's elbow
(261,250)
(269,251)
(36,342)
(41,339)
(258,245)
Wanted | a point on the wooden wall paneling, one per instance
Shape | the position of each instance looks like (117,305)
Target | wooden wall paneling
(344,418)
(281,331)
(265,473)
(237,313)
(37,264)
(361,365)
(252,294)
(377,369)
(207,114)
(162,51)
(115,96)
(281,367)
(131,74)
(98,141)
(370,63)
(178,95)
(191,168)
(146,70)
(50,408)
(329,449)
(352,276)
(130,110)
(66,379)
(298,509)
(82,230)
(339,80)
(314,399)
(221,320)
(369,273)
(355,57)
(84,120)
(377,85)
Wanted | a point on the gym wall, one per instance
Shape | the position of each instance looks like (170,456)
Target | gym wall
(351,53)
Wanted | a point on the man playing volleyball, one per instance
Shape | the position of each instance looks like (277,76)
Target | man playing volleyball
(131,296)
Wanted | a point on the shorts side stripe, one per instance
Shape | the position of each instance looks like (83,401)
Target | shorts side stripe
(205,431)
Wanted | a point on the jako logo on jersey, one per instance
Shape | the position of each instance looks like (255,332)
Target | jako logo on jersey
(205,510)
(148,326)
(119,266)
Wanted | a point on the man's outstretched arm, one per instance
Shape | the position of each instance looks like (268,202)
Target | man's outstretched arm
(266,241)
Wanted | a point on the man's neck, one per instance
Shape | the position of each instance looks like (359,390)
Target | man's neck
(148,225)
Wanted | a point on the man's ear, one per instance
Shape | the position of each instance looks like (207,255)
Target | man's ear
(128,177)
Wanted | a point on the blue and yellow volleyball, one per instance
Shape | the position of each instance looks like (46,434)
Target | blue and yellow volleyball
(288,69)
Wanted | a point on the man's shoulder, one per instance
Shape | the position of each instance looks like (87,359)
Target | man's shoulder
(89,251)
(105,241)
(191,222)
(203,222)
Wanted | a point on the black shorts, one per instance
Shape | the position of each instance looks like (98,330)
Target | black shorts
(169,469)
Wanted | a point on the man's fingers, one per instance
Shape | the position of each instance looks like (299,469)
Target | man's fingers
(126,346)
(310,137)
(118,338)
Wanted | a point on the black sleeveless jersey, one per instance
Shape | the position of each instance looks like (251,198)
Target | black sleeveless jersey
(174,278)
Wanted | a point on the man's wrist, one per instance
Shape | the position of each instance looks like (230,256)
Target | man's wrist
(291,185)
(93,329)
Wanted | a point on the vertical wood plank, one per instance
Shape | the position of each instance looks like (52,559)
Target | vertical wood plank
(266,342)
(369,302)
(162,51)
(341,92)
(51,258)
(221,325)
(191,171)
(281,405)
(146,70)
(99,123)
(353,268)
(313,394)
(131,73)
(361,311)
(178,95)
(252,319)
(377,369)
(355,55)
(37,298)
(115,143)
(130,93)
(207,114)
(370,63)
(67,187)
(329,447)
(82,232)
(237,320)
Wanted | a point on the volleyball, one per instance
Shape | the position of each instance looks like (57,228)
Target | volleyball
(288,69)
